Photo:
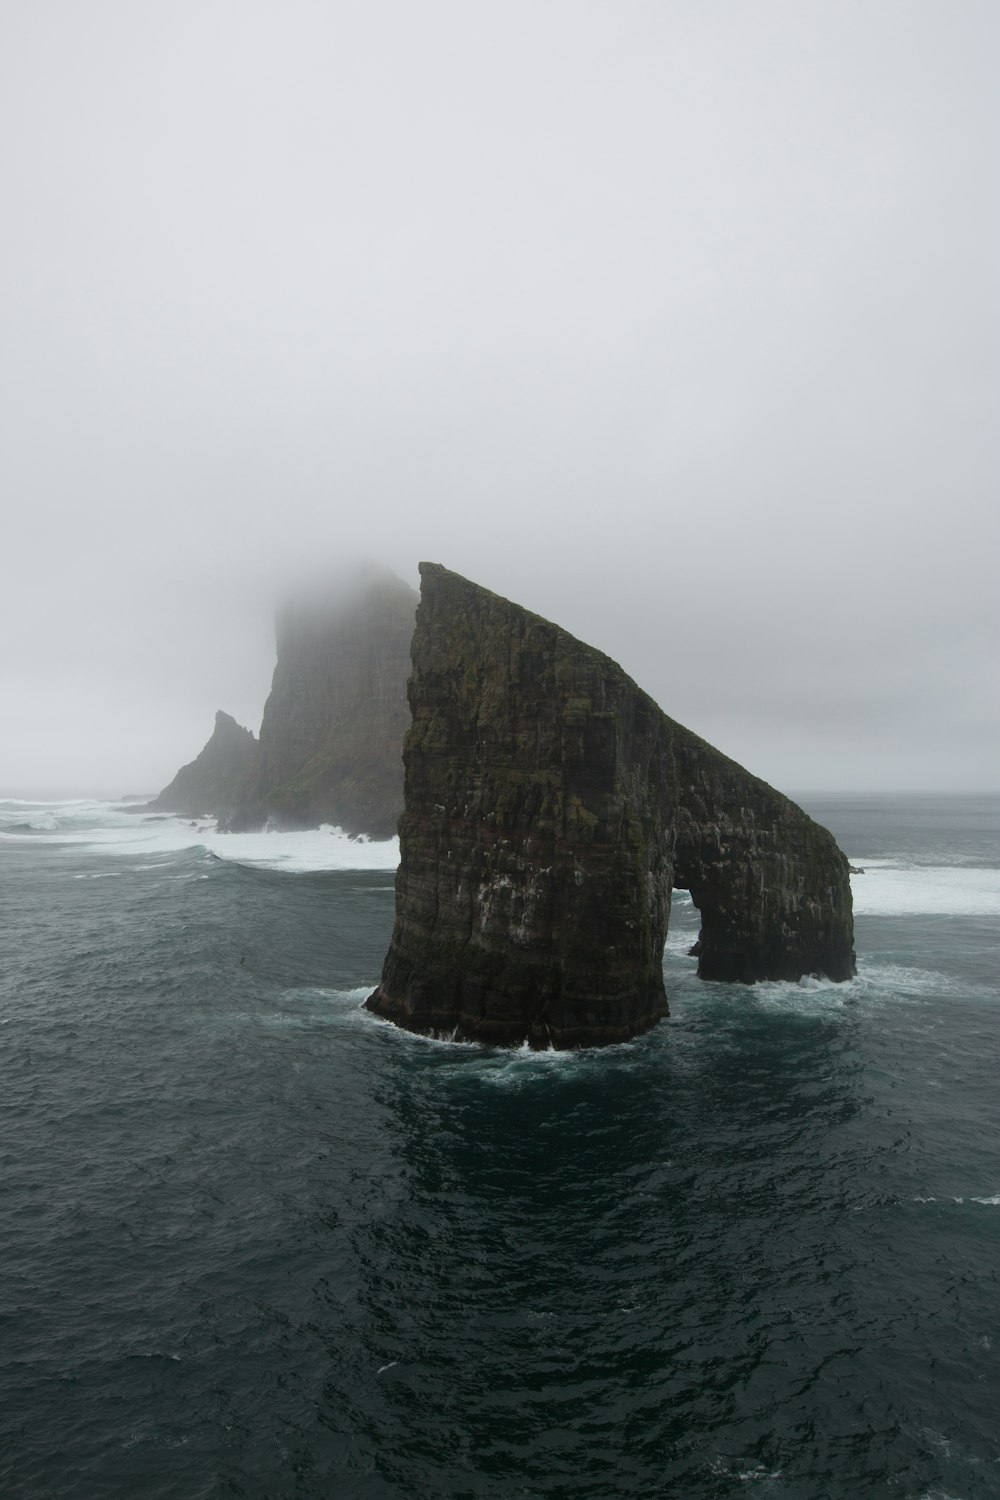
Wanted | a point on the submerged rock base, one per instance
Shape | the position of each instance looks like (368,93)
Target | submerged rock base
(550,809)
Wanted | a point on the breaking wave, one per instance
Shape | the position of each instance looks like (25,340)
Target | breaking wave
(888,889)
(105,828)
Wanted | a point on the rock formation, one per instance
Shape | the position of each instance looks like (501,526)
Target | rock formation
(332,731)
(210,782)
(550,809)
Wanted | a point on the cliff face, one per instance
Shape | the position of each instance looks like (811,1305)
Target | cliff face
(210,782)
(551,809)
(333,726)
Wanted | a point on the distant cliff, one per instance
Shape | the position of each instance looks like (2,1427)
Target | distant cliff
(551,809)
(210,783)
(332,732)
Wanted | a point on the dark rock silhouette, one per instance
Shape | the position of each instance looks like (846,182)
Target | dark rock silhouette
(210,782)
(332,732)
(551,809)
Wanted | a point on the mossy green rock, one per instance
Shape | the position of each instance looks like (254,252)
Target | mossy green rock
(550,810)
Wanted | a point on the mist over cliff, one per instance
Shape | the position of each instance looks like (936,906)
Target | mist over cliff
(676,321)
(331,737)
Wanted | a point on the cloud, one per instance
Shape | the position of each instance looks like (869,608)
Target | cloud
(675,323)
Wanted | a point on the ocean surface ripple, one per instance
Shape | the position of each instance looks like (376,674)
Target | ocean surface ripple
(257,1243)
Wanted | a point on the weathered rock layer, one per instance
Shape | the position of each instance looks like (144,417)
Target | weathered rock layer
(550,809)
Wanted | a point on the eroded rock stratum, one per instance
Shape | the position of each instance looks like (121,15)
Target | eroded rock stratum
(550,810)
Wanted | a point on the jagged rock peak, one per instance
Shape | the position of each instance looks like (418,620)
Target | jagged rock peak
(550,809)
(210,782)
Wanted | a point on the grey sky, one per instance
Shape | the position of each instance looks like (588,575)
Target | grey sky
(676,322)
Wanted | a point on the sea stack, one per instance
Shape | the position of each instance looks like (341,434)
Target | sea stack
(550,810)
(210,783)
(332,732)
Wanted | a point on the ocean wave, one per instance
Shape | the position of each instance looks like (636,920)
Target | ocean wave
(467,1049)
(905,978)
(519,1067)
(422,1038)
(104,828)
(875,984)
(888,887)
(754,1473)
(680,941)
(993,1202)
(513,1067)
(812,996)
(22,802)
(349,997)
(313,850)
(891,889)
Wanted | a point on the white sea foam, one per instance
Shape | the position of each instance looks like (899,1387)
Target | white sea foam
(806,997)
(792,992)
(315,849)
(105,829)
(756,1474)
(993,1202)
(421,1038)
(344,999)
(41,822)
(875,985)
(889,889)
(15,803)
(680,942)
(895,978)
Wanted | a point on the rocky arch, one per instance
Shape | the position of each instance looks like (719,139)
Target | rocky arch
(550,809)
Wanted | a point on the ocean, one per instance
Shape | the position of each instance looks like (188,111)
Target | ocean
(256,1243)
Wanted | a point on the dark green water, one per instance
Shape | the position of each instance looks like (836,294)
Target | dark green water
(255,1243)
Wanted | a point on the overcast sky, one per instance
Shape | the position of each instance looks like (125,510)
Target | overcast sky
(675,321)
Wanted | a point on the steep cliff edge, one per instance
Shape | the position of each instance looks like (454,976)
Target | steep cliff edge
(332,732)
(210,783)
(550,809)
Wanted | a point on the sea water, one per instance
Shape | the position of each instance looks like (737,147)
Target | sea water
(255,1242)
